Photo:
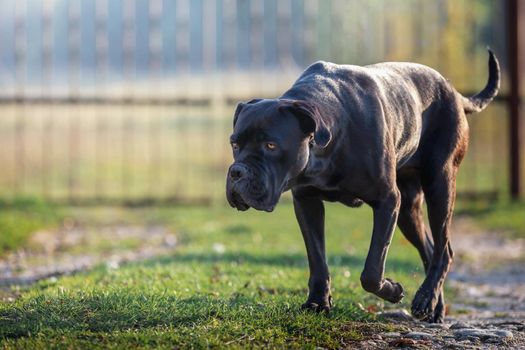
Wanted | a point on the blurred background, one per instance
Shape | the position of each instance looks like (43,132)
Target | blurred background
(131,101)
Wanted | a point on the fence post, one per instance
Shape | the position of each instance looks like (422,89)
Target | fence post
(513,34)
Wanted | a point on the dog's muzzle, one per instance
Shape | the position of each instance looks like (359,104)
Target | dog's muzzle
(244,189)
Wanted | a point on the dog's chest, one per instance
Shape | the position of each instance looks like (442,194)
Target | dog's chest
(341,197)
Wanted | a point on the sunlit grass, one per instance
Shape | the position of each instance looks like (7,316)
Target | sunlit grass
(20,218)
(506,217)
(245,293)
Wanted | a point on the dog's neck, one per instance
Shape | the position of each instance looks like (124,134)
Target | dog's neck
(317,162)
(313,173)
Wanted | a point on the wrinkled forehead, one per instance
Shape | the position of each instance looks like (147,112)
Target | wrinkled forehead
(261,120)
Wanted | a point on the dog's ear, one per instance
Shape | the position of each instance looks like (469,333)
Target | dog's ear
(309,119)
(239,108)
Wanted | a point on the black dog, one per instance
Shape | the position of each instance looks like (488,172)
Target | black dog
(389,135)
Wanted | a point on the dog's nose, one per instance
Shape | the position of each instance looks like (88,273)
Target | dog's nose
(237,172)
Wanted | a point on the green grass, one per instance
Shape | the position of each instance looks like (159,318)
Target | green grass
(507,217)
(247,296)
(20,218)
(236,280)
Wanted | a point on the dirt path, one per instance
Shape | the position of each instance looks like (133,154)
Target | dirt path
(74,248)
(489,275)
(487,309)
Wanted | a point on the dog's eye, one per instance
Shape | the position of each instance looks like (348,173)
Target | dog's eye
(270,146)
(235,146)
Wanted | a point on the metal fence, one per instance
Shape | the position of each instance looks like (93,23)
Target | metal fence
(131,100)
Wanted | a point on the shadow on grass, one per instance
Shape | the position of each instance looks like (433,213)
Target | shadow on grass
(108,312)
(122,311)
(284,260)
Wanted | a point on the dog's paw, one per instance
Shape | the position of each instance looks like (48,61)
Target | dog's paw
(390,291)
(424,306)
(318,306)
(397,292)
(438,316)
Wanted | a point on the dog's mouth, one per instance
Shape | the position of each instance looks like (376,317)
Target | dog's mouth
(249,188)
(243,202)
(236,201)
(241,196)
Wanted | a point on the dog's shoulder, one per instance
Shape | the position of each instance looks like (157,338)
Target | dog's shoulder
(328,73)
(330,69)
(319,67)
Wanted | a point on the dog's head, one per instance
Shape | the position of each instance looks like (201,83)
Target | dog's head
(271,144)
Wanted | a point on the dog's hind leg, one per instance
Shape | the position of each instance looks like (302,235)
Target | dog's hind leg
(440,190)
(412,225)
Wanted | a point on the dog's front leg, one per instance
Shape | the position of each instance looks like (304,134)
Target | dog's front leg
(372,278)
(309,211)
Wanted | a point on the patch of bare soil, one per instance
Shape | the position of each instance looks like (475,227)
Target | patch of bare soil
(488,276)
(74,248)
(487,308)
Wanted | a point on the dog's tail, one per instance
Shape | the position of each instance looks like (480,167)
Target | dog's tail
(478,102)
